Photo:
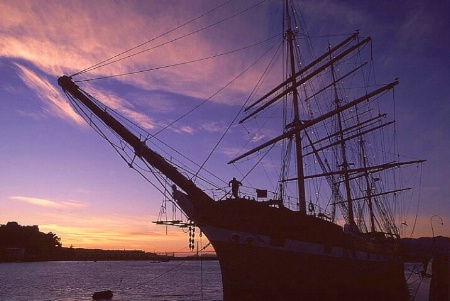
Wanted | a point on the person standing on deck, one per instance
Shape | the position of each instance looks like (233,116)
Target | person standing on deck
(235,187)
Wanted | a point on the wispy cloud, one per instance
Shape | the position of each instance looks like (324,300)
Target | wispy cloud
(57,39)
(257,138)
(213,127)
(231,152)
(49,95)
(48,203)
(186,129)
(124,108)
(58,106)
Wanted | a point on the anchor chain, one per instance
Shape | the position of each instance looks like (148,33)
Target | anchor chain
(191,235)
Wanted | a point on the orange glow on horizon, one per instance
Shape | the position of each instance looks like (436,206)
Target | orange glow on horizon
(118,237)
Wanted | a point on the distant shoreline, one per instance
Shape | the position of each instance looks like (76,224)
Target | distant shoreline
(81,254)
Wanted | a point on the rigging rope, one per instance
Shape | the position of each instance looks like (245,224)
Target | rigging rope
(118,57)
(238,113)
(113,60)
(177,64)
(418,203)
(124,151)
(110,60)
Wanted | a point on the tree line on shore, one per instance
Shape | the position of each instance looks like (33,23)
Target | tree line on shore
(27,243)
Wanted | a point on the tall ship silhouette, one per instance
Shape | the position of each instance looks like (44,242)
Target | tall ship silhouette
(327,228)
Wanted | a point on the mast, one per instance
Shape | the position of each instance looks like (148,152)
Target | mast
(345,164)
(369,184)
(296,121)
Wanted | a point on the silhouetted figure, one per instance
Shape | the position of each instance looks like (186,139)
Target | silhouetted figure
(235,187)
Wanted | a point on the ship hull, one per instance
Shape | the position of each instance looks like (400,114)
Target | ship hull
(253,272)
(270,253)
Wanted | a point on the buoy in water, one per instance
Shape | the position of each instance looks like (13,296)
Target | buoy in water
(102,295)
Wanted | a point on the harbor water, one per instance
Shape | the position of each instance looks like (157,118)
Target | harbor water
(131,280)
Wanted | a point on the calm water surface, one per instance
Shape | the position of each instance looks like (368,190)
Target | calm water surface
(131,280)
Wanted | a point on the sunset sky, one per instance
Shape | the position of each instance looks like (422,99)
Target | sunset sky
(56,172)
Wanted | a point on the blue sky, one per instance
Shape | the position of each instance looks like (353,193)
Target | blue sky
(57,173)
